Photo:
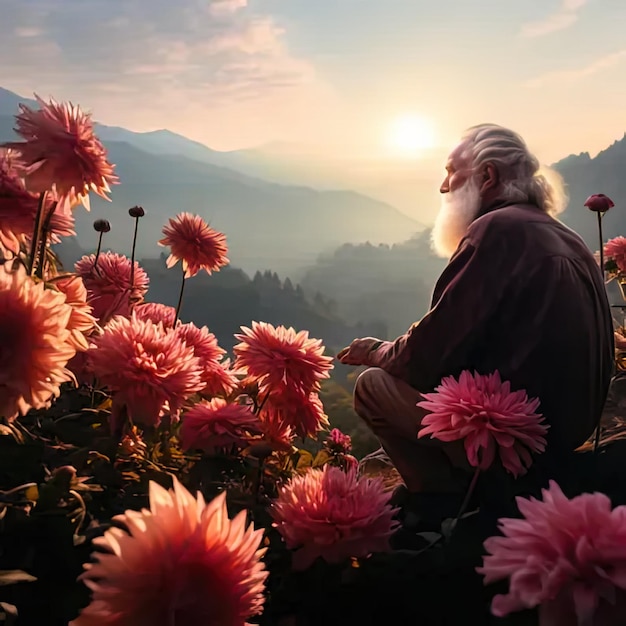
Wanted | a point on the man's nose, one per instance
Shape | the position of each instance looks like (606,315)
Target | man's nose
(445,187)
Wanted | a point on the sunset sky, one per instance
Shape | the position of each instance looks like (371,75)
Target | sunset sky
(333,74)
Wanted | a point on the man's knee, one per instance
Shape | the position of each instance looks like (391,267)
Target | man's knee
(364,389)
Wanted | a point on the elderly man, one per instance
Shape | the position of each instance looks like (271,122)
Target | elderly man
(521,294)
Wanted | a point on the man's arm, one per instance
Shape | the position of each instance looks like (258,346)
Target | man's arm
(467,294)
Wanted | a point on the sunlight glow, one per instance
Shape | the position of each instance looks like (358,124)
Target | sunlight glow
(410,135)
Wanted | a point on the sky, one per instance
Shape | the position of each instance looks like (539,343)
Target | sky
(333,75)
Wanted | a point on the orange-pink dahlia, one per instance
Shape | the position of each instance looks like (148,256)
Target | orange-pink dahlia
(109,290)
(489,418)
(81,321)
(181,563)
(217,424)
(277,433)
(193,242)
(150,370)
(282,358)
(18,209)
(156,312)
(303,412)
(615,255)
(569,555)
(61,152)
(35,343)
(334,515)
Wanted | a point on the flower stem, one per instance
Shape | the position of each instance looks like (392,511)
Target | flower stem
(36,232)
(180,298)
(468,495)
(596,439)
(45,228)
(132,255)
(95,261)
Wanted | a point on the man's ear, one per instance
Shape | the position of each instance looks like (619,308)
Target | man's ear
(489,179)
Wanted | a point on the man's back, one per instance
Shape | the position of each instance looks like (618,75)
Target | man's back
(551,332)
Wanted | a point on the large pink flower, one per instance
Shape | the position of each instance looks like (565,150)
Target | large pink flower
(81,322)
(615,254)
(150,371)
(210,426)
(303,412)
(181,563)
(157,312)
(109,290)
(193,242)
(569,551)
(35,343)
(282,358)
(18,209)
(488,417)
(333,515)
(60,151)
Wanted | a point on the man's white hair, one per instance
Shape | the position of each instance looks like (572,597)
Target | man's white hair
(522,176)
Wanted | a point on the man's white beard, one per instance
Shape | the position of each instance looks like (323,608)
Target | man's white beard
(458,210)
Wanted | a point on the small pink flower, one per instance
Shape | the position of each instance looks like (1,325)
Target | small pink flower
(180,562)
(337,442)
(156,312)
(282,358)
(333,515)
(489,417)
(210,426)
(60,151)
(193,242)
(568,552)
(109,290)
(599,203)
(615,254)
(150,370)
(81,321)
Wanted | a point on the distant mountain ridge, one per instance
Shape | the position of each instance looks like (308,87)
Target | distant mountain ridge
(267,225)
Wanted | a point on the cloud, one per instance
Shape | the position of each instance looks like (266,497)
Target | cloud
(154,52)
(573,75)
(566,16)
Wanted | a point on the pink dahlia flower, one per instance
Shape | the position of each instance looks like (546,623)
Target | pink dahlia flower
(337,442)
(488,417)
(615,252)
(277,433)
(282,358)
(211,426)
(150,371)
(81,322)
(599,203)
(156,312)
(181,563)
(18,210)
(109,290)
(303,412)
(193,242)
(35,343)
(568,552)
(61,152)
(333,515)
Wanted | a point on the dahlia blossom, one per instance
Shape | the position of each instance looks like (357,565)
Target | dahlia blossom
(277,433)
(193,242)
(60,152)
(333,515)
(599,203)
(571,552)
(303,412)
(108,284)
(488,417)
(156,312)
(18,210)
(181,563)
(615,255)
(210,426)
(81,322)
(337,442)
(35,343)
(150,371)
(282,358)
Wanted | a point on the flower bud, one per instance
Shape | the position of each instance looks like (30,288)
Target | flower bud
(599,203)
(101,226)
(136,211)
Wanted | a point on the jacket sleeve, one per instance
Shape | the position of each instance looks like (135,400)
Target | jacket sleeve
(466,296)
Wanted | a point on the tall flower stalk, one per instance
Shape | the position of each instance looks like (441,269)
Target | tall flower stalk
(43,243)
(101,227)
(180,297)
(34,244)
(136,212)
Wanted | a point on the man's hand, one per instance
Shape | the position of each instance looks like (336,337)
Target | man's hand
(357,352)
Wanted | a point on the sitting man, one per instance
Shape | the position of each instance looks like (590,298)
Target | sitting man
(521,294)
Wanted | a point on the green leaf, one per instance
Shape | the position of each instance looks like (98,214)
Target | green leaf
(305,460)
(13,576)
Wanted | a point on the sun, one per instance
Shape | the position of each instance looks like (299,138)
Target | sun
(410,135)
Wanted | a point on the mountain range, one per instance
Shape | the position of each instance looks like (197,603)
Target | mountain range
(268,225)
